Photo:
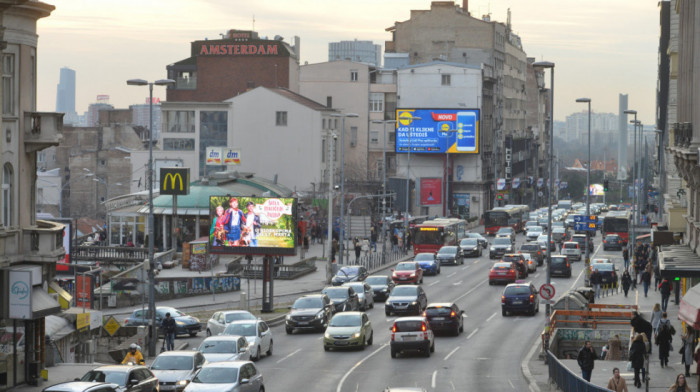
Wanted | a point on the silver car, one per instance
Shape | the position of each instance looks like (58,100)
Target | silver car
(365,294)
(225,348)
(257,334)
(175,369)
(82,386)
(219,320)
(230,376)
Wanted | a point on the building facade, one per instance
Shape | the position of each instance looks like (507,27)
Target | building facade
(358,51)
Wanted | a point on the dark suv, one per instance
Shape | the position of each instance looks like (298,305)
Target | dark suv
(533,248)
(560,266)
(446,317)
(343,298)
(311,311)
(406,300)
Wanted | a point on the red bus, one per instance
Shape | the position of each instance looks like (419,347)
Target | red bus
(524,212)
(508,216)
(618,222)
(432,235)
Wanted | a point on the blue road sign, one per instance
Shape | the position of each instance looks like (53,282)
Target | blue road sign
(585,226)
(585,219)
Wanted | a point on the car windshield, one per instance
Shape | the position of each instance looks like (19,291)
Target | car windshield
(172,362)
(241,329)
(405,267)
(558,260)
(408,326)
(404,291)
(424,257)
(447,250)
(173,312)
(350,271)
(504,230)
(359,287)
(111,377)
(469,242)
(558,230)
(511,258)
(346,320)
(216,375)
(338,293)
(218,346)
(231,317)
(535,228)
(501,241)
(502,266)
(475,235)
(529,247)
(376,280)
(602,267)
(308,303)
(569,245)
(517,290)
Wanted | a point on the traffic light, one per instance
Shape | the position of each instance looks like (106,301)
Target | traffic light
(605,185)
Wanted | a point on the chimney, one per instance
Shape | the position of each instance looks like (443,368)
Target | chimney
(465,6)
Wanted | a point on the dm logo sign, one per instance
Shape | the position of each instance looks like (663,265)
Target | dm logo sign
(20,290)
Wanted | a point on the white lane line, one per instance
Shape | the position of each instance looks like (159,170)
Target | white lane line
(469,292)
(525,368)
(511,384)
(434,379)
(457,283)
(464,268)
(290,354)
(472,334)
(451,275)
(450,354)
(492,316)
(347,374)
(537,275)
(434,283)
(476,261)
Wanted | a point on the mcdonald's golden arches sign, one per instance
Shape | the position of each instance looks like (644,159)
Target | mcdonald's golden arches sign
(175,181)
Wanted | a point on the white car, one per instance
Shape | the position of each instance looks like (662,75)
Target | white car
(572,250)
(256,333)
(219,320)
(365,294)
(225,348)
(533,232)
(235,376)
(530,262)
(412,333)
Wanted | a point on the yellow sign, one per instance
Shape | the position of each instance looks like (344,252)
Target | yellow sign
(428,229)
(111,326)
(83,321)
(174,181)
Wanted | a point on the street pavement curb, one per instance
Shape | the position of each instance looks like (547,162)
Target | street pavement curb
(525,368)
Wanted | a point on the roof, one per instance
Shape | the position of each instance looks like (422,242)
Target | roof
(298,98)
(438,62)
(678,261)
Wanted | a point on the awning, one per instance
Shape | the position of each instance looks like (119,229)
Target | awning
(690,307)
(678,261)
(64,299)
(57,327)
(43,304)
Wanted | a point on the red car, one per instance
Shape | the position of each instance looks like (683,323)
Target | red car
(407,272)
(503,272)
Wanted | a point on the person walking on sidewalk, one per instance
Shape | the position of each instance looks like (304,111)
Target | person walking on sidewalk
(168,326)
(681,385)
(665,288)
(637,355)
(586,360)
(626,282)
(663,340)
(646,280)
(687,351)
(595,281)
(656,318)
(626,257)
(617,383)
(642,326)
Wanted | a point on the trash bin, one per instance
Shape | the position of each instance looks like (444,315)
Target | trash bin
(34,370)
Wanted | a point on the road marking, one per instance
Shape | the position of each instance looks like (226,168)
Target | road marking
(450,354)
(434,283)
(492,316)
(476,261)
(464,268)
(434,379)
(451,275)
(511,384)
(537,275)
(468,292)
(472,334)
(457,283)
(347,374)
(290,354)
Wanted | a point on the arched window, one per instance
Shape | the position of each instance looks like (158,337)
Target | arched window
(7,183)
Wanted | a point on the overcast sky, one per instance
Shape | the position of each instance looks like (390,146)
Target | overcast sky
(601,48)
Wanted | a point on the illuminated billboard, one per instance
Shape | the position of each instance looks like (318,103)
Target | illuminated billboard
(596,190)
(252,225)
(437,131)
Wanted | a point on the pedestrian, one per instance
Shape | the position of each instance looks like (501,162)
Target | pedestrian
(365,247)
(395,243)
(617,383)
(696,357)
(586,360)
(373,239)
(168,326)
(642,326)
(663,340)
(358,249)
(657,277)
(656,318)
(334,249)
(665,288)
(626,257)
(646,281)
(637,355)
(614,349)
(626,282)
(680,385)
(595,281)
(687,351)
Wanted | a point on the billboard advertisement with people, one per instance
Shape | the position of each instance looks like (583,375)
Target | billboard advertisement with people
(252,225)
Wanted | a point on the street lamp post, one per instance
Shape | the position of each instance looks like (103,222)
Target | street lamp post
(550,65)
(342,183)
(331,156)
(151,271)
(384,122)
(588,183)
(408,182)
(630,243)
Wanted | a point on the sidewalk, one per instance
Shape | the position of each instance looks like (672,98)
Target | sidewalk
(661,379)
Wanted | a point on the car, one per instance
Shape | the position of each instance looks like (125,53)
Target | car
(348,330)
(220,320)
(349,273)
(499,247)
(343,298)
(175,369)
(381,286)
(407,272)
(572,250)
(428,263)
(312,311)
(233,376)
(560,234)
(412,334)
(560,266)
(404,389)
(82,386)
(581,239)
(519,262)
(184,324)
(533,232)
(470,247)
(449,255)
(531,223)
(129,378)
(544,222)
(520,297)
(542,241)
(406,300)
(608,272)
(534,250)
(365,294)
(445,316)
(503,231)
(613,207)
(503,272)
(569,221)
(530,262)
(612,242)
(483,241)
(257,334)
(224,348)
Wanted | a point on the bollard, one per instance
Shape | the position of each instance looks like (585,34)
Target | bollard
(243,301)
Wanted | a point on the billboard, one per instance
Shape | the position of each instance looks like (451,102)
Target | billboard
(596,190)
(437,131)
(252,225)
(174,180)
(430,191)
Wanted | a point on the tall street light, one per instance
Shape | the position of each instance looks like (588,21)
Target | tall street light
(332,137)
(550,65)
(638,171)
(342,183)
(588,183)
(634,188)
(151,271)
(384,187)
(408,181)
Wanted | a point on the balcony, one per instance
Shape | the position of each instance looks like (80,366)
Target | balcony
(682,134)
(42,130)
(43,242)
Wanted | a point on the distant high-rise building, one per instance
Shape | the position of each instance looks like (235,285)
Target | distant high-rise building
(622,146)
(141,115)
(359,51)
(65,96)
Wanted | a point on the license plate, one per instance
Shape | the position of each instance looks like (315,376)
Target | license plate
(340,343)
(403,278)
(303,323)
(501,273)
(517,302)
(409,338)
(438,318)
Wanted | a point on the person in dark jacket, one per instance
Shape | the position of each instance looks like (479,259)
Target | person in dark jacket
(637,355)
(665,288)
(586,358)
(168,326)
(626,282)
(596,279)
(640,325)
(663,340)
(646,280)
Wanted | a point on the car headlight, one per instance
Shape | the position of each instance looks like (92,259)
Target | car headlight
(414,303)
(196,320)
(492,249)
(183,382)
(413,274)
(179,322)
(327,335)
(384,290)
(251,344)
(319,315)
(356,335)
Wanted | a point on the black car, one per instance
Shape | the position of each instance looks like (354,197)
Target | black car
(311,311)
(343,298)
(482,240)
(449,255)
(349,273)
(612,242)
(499,247)
(560,266)
(581,239)
(381,286)
(446,317)
(131,378)
(406,300)
(470,247)
(184,324)
(520,297)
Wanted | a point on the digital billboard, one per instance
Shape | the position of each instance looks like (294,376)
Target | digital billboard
(437,131)
(596,190)
(252,225)
(430,191)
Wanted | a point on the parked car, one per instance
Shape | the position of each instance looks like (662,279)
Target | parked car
(470,247)
(129,378)
(184,324)
(406,300)
(257,334)
(612,242)
(520,297)
(560,266)
(175,369)
(499,247)
(519,261)
(428,263)
(233,376)
(348,330)
(534,250)
(343,298)
(450,255)
(82,386)
(407,272)
(312,311)
(445,316)
(349,273)
(412,334)
(483,241)
(381,286)
(503,272)
(224,348)
(220,320)
(572,250)
(365,294)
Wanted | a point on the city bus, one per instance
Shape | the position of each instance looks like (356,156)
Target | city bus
(618,222)
(432,235)
(507,216)
(524,212)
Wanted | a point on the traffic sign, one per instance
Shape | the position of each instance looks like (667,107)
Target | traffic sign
(585,226)
(111,326)
(547,291)
(585,219)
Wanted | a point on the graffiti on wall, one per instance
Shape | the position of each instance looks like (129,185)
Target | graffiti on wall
(180,287)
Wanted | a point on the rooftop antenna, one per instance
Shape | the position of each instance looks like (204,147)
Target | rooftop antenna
(253,22)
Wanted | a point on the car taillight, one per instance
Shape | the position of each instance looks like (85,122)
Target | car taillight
(126,320)
(567,265)
(425,331)
(503,299)
(532,298)
(424,314)
(453,314)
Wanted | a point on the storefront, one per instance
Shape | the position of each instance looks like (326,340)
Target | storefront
(681,266)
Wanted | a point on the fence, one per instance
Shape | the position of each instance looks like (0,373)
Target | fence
(373,260)
(565,380)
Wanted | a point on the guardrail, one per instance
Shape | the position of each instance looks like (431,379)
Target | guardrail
(568,381)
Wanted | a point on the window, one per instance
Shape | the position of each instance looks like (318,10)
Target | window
(374,137)
(8,84)
(446,80)
(281,119)
(353,136)
(324,124)
(178,121)
(353,76)
(213,132)
(7,182)
(102,162)
(175,144)
(329,102)
(376,102)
